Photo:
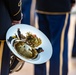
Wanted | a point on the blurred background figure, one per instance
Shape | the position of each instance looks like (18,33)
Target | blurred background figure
(53,21)
(26,7)
(26,11)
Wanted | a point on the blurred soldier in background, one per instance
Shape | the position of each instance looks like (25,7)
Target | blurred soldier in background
(53,20)
(26,8)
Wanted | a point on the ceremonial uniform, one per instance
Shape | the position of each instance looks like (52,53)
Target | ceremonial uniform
(53,20)
(9,10)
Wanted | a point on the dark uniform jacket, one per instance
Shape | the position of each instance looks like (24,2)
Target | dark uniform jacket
(53,6)
(9,10)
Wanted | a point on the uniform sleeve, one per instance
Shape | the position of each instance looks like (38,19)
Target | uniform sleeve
(14,9)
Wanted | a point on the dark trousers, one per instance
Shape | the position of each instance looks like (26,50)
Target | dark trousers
(51,26)
(5,61)
(26,6)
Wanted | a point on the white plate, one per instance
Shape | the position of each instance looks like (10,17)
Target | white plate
(46,45)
